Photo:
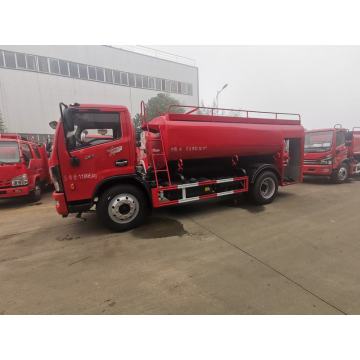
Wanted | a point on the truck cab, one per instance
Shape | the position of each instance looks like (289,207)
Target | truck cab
(330,153)
(92,150)
(23,168)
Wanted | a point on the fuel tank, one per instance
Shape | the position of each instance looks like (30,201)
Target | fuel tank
(199,137)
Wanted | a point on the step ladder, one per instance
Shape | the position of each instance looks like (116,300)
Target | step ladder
(161,155)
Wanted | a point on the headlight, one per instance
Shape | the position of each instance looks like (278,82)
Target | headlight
(21,180)
(326,161)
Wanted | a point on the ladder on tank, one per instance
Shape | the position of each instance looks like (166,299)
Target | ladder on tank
(153,155)
(159,156)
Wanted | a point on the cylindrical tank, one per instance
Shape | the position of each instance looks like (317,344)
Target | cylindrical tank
(217,139)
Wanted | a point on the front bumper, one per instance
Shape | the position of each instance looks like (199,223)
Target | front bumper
(12,192)
(317,170)
(61,207)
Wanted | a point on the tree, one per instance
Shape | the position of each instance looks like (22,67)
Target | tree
(2,123)
(156,106)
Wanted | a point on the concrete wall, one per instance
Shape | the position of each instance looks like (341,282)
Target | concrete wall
(29,100)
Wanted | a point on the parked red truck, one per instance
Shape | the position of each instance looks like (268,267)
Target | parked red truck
(333,152)
(23,167)
(185,155)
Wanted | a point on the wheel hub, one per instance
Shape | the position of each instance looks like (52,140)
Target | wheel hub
(267,188)
(342,173)
(123,208)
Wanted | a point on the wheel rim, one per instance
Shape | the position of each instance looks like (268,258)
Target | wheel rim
(267,188)
(123,208)
(342,175)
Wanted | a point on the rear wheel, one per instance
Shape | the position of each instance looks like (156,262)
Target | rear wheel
(265,188)
(35,194)
(341,174)
(122,207)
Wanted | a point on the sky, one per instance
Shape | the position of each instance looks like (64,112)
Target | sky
(322,83)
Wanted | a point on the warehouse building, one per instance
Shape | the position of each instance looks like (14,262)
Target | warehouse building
(35,78)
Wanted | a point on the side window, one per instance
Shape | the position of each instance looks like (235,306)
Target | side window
(340,138)
(92,129)
(36,151)
(26,152)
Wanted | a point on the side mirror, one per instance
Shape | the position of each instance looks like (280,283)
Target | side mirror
(53,124)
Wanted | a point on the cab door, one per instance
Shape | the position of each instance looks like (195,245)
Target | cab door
(102,149)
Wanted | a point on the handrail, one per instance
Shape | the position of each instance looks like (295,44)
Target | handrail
(277,115)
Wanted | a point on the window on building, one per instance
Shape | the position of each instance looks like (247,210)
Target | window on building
(92,72)
(162,84)
(173,86)
(179,87)
(151,83)
(108,76)
(190,89)
(54,66)
(158,84)
(31,62)
(145,82)
(1,59)
(167,85)
(43,64)
(100,74)
(10,61)
(138,80)
(20,60)
(184,88)
(74,70)
(116,76)
(83,72)
(64,69)
(124,79)
(131,79)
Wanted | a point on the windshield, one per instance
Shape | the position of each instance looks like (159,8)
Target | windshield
(318,141)
(9,152)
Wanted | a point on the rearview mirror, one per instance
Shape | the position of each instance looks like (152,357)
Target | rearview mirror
(53,124)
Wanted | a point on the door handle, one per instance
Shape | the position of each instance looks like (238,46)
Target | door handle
(121,163)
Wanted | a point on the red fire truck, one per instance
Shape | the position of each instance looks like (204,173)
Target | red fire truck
(333,152)
(188,154)
(23,167)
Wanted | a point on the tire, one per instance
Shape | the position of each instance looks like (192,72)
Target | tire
(35,194)
(341,174)
(122,207)
(265,188)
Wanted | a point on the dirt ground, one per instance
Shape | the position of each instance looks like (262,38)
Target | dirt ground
(299,255)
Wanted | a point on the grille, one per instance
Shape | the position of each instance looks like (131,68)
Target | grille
(5,183)
(312,162)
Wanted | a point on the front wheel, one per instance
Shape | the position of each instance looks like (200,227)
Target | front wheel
(35,194)
(341,174)
(122,207)
(265,188)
